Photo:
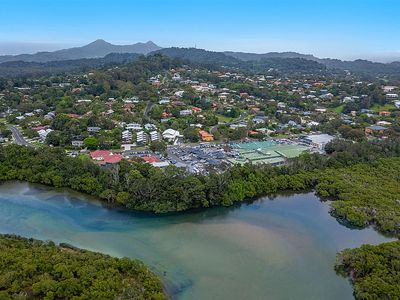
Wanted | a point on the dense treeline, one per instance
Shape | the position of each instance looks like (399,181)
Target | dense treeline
(373,270)
(362,178)
(287,65)
(36,69)
(284,63)
(31,269)
(365,194)
(140,186)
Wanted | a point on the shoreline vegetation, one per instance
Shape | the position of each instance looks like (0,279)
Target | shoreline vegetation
(362,180)
(374,271)
(32,269)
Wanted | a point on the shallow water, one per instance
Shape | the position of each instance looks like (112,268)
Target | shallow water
(280,249)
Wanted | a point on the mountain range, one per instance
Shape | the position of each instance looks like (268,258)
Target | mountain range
(96,49)
(101,52)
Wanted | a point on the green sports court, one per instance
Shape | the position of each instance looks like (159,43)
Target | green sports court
(266,152)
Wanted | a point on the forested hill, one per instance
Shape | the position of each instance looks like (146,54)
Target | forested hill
(246,56)
(287,63)
(199,56)
(365,67)
(359,66)
(100,52)
(193,57)
(31,269)
(22,68)
(96,49)
(282,65)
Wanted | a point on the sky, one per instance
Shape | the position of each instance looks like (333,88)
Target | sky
(346,29)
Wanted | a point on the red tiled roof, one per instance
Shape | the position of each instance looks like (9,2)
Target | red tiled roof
(150,159)
(73,115)
(204,133)
(105,157)
(40,128)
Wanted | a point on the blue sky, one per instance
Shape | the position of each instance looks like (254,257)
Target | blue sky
(326,28)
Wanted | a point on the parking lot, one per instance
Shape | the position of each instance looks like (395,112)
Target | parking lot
(200,158)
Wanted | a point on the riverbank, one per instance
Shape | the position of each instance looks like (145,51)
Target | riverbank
(251,250)
(364,188)
(32,269)
(373,270)
(363,193)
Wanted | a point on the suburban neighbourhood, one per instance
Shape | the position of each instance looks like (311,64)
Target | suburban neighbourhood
(200,150)
(198,119)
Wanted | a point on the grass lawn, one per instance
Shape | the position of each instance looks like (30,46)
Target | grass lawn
(140,148)
(377,108)
(224,119)
(337,109)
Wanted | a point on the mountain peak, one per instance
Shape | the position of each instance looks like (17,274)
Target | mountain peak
(97,48)
(98,42)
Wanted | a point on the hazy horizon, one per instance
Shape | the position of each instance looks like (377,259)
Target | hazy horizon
(16,48)
(344,29)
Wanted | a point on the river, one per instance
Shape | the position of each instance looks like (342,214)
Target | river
(271,249)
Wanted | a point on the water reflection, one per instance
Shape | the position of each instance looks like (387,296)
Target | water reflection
(280,249)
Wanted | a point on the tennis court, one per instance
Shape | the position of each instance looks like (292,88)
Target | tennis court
(266,152)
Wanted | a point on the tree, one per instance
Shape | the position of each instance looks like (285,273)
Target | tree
(122,197)
(48,271)
(158,146)
(191,134)
(91,142)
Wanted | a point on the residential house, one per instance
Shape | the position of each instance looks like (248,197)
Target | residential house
(50,116)
(185,112)
(133,126)
(44,132)
(77,143)
(375,130)
(392,96)
(171,135)
(196,109)
(149,126)
(385,113)
(383,123)
(205,136)
(105,157)
(388,88)
(259,119)
(239,125)
(163,101)
(93,129)
(179,94)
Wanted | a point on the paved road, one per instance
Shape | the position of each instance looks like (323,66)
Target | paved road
(147,110)
(18,137)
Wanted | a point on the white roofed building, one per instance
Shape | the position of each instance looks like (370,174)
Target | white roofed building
(171,135)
